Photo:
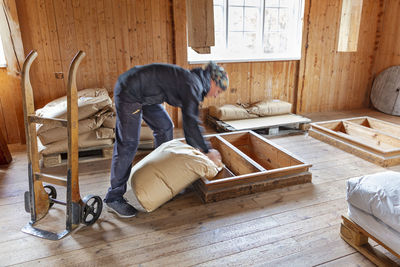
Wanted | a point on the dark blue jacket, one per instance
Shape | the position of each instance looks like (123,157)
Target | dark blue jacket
(158,83)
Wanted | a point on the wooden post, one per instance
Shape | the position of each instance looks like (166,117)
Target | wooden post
(5,156)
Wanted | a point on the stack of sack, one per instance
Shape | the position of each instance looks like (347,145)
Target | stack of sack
(165,172)
(96,115)
(374,204)
(246,111)
(94,107)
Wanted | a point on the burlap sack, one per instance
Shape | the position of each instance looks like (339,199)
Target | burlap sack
(85,140)
(60,133)
(110,120)
(104,133)
(166,171)
(230,112)
(270,107)
(90,101)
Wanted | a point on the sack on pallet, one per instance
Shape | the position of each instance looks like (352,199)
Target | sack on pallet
(378,195)
(90,101)
(60,133)
(110,120)
(166,171)
(230,112)
(86,140)
(270,107)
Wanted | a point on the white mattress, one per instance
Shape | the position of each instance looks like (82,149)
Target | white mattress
(375,227)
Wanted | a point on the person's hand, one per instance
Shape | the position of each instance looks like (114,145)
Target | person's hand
(215,156)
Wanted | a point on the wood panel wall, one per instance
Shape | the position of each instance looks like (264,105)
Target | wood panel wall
(332,80)
(118,34)
(388,53)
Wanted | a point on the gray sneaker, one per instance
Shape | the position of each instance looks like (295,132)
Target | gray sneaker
(122,208)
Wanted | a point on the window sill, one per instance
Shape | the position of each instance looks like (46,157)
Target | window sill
(202,61)
(3,66)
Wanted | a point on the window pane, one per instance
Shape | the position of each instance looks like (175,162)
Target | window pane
(2,57)
(283,42)
(236,2)
(271,3)
(252,3)
(283,19)
(236,19)
(218,19)
(218,2)
(220,39)
(251,19)
(271,19)
(235,41)
(250,39)
(271,42)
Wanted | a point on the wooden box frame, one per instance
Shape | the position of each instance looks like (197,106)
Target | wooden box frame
(253,164)
(371,139)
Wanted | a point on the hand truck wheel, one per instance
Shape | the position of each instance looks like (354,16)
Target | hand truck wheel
(52,192)
(91,210)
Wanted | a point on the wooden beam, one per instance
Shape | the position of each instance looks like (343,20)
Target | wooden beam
(200,18)
(5,156)
(349,25)
(14,53)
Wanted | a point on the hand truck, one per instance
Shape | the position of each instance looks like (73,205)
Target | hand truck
(39,199)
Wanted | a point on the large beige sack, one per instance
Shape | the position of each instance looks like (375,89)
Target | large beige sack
(110,120)
(230,112)
(60,133)
(166,171)
(90,101)
(270,107)
(86,140)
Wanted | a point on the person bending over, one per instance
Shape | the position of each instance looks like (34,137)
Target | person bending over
(139,93)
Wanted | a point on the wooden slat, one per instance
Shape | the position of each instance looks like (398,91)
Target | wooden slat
(5,156)
(376,136)
(234,159)
(51,179)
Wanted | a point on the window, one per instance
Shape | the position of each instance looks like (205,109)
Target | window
(255,30)
(3,62)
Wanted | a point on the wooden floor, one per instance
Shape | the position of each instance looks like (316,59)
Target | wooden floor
(296,226)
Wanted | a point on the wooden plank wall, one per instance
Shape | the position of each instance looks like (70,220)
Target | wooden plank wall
(388,53)
(117,35)
(11,114)
(331,80)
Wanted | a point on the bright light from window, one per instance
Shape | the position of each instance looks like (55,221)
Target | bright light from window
(255,30)
(2,57)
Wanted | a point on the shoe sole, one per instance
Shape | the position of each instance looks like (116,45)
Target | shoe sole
(111,210)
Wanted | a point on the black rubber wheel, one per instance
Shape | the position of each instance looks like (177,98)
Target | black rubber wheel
(91,210)
(52,192)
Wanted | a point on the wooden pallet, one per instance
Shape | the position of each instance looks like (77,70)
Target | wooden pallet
(371,139)
(271,126)
(252,164)
(357,237)
(85,155)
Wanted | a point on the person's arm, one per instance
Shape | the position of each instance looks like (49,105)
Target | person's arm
(191,127)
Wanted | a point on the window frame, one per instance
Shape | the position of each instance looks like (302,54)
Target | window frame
(194,58)
(3,61)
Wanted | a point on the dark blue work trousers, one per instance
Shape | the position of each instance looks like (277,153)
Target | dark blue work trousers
(127,133)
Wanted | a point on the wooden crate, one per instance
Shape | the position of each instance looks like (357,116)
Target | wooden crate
(371,139)
(253,164)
